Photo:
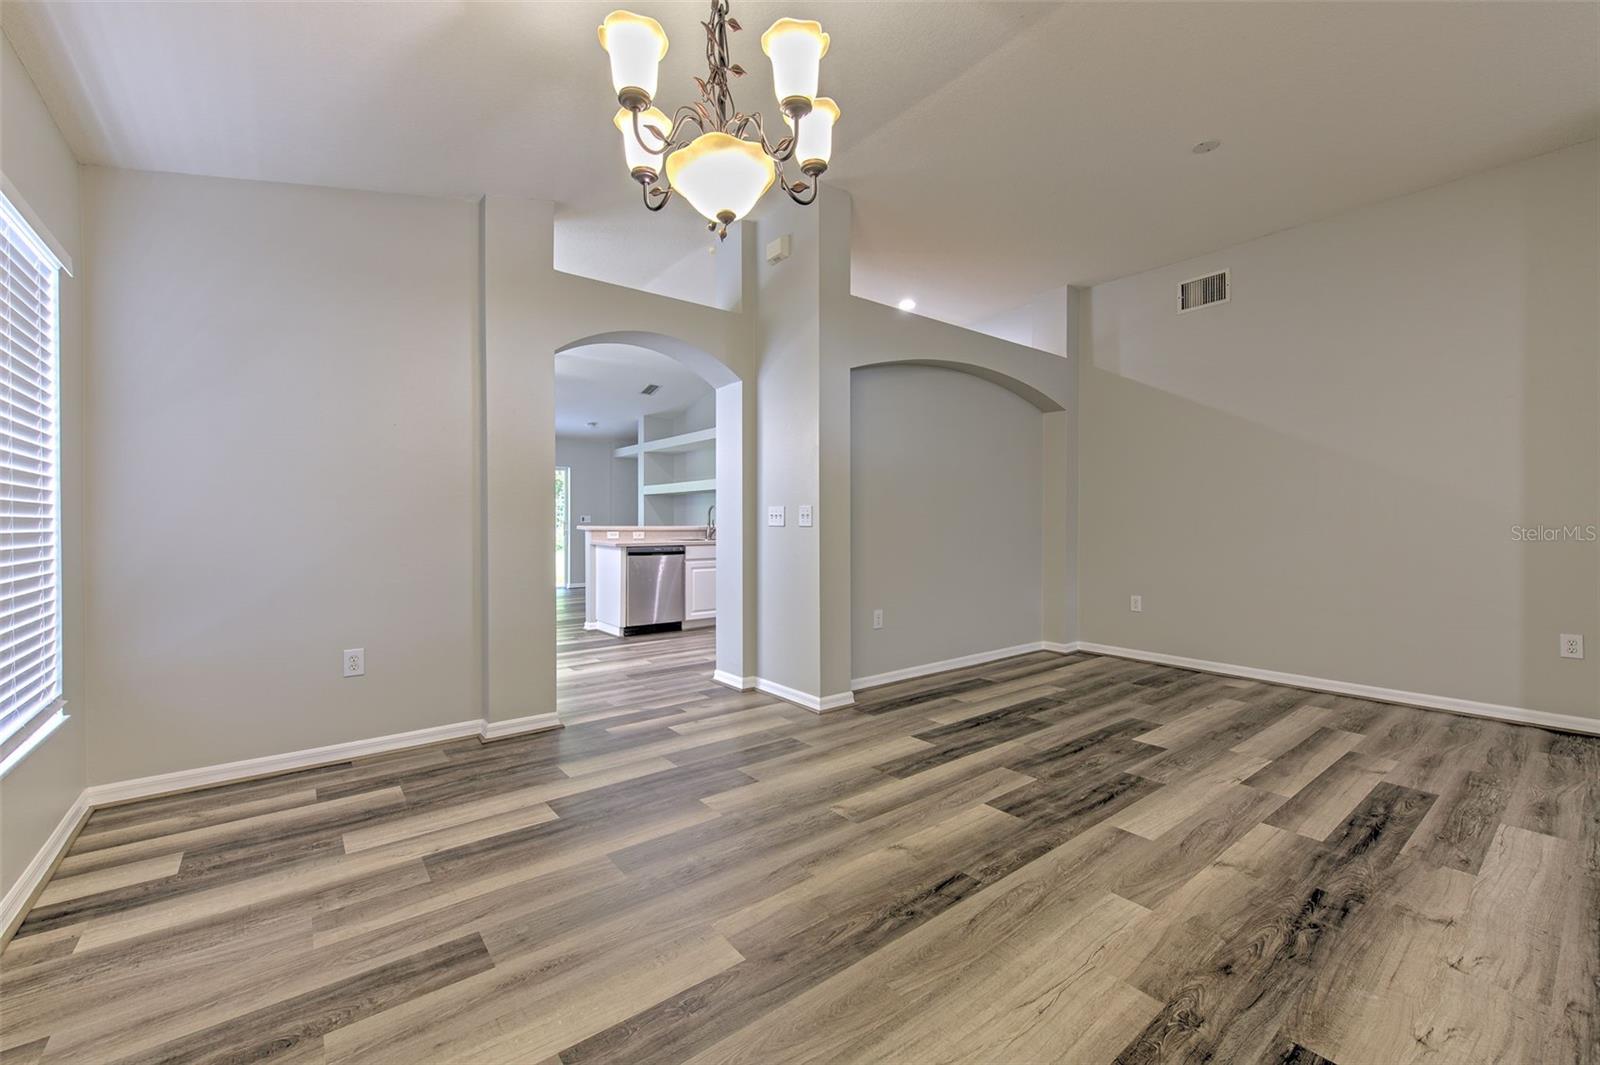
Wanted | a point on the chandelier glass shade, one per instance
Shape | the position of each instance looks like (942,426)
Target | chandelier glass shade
(717,156)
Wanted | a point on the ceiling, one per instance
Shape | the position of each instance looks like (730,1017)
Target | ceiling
(994,150)
(602,383)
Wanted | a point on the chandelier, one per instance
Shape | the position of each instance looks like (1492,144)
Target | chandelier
(729,164)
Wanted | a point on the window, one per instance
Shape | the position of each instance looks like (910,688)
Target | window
(30,507)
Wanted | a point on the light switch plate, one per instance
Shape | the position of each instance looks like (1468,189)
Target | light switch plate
(775,516)
(1136,604)
(803,517)
(355,662)
(584,519)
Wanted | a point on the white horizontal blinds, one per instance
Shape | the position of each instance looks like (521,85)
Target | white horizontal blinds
(30,613)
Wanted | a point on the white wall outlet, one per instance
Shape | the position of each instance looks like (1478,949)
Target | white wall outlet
(877,619)
(775,516)
(803,517)
(1136,603)
(613,534)
(584,519)
(1571,645)
(638,536)
(355,662)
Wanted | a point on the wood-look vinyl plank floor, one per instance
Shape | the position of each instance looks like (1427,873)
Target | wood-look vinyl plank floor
(1047,858)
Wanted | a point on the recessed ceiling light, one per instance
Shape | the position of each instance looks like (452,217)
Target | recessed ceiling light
(1206,146)
(907,304)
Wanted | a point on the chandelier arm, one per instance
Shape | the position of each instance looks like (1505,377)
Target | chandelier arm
(662,196)
(667,144)
(785,148)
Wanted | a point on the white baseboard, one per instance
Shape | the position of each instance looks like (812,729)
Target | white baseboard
(1516,714)
(517,726)
(953,663)
(603,626)
(743,684)
(27,885)
(229,772)
(804,699)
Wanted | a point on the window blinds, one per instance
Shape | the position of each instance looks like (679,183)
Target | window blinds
(30,599)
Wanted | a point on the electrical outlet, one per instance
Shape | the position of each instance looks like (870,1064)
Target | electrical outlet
(1136,603)
(638,536)
(355,662)
(1571,645)
(584,519)
(775,516)
(802,517)
(613,534)
(877,619)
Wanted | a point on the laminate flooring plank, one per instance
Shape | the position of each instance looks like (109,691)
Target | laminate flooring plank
(1064,857)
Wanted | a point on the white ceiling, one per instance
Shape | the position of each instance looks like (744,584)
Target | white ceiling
(602,383)
(994,150)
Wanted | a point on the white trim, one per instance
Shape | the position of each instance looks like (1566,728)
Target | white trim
(926,668)
(517,726)
(571,585)
(32,879)
(43,725)
(803,699)
(1517,714)
(228,772)
(743,684)
(1061,648)
(50,245)
(603,626)
(20,898)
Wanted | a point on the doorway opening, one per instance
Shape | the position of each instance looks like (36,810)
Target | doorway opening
(641,435)
(563,526)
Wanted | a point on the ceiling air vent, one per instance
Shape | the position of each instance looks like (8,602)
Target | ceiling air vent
(1203,291)
(649,390)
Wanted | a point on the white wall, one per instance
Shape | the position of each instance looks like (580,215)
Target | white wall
(945,510)
(282,415)
(1321,476)
(595,489)
(40,169)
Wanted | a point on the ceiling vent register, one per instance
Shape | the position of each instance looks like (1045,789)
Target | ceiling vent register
(1203,291)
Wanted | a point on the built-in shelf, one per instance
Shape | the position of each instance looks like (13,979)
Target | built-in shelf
(679,488)
(668,445)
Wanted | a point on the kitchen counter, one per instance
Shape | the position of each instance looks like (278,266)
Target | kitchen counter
(606,597)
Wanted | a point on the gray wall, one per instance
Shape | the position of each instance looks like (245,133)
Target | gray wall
(41,170)
(603,488)
(945,517)
(283,467)
(1321,476)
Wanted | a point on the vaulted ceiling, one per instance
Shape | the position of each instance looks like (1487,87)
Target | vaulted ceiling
(993,150)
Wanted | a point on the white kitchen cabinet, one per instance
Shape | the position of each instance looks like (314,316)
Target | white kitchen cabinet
(700,584)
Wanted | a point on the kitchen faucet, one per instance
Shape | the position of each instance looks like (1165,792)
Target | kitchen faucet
(711,522)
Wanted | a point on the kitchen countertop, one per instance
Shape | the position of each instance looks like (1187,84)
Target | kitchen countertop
(654,543)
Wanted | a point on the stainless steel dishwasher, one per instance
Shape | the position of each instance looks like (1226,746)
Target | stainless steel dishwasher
(654,583)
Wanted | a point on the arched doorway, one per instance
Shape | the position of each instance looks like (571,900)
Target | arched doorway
(732,578)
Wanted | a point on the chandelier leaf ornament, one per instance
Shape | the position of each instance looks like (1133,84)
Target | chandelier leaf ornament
(728,164)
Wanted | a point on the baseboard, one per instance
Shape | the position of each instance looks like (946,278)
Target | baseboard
(804,699)
(948,664)
(1515,714)
(603,626)
(518,726)
(231,772)
(743,684)
(21,894)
